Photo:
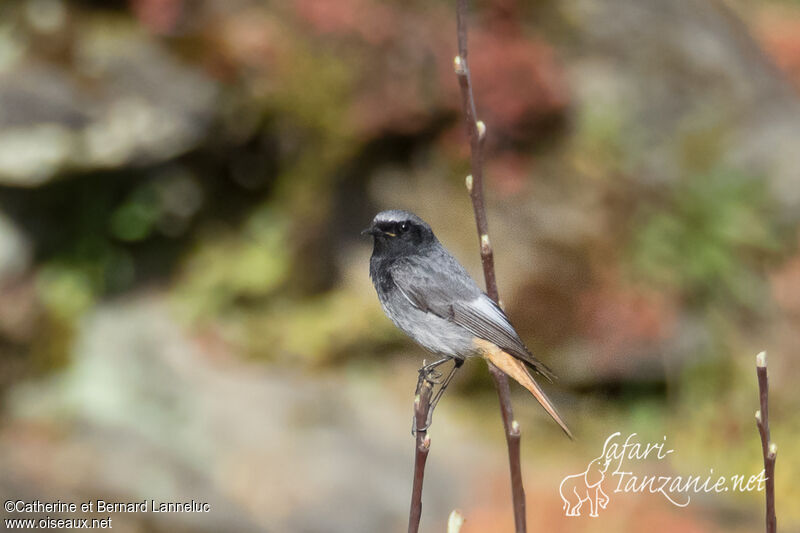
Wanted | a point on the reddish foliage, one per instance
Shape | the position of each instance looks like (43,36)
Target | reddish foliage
(779,34)
(406,62)
(621,321)
(508,172)
(371,115)
(372,21)
(158,16)
(517,81)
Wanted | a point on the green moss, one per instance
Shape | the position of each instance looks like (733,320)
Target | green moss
(705,240)
(234,266)
(135,219)
(315,330)
(600,138)
(64,290)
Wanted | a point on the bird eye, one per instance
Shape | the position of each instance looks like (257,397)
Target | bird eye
(403,226)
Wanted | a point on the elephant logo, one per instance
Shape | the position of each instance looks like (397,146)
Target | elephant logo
(577,489)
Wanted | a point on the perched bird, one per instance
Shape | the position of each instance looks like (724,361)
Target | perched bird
(428,295)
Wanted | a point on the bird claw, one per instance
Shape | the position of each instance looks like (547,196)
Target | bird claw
(430,374)
(434,377)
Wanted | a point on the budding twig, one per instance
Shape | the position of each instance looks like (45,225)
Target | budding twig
(477,135)
(474,183)
(768,448)
(422,404)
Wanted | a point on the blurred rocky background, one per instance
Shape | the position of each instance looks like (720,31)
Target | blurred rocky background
(185,310)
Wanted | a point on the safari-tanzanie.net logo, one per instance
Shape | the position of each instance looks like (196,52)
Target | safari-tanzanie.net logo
(613,473)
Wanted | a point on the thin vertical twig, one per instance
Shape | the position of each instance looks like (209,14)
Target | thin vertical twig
(768,448)
(477,134)
(422,404)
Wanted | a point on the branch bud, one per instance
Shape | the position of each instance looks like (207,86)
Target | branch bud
(758,416)
(515,427)
(468,181)
(761,359)
(459,66)
(455,521)
(481,126)
(773,449)
(426,442)
(486,247)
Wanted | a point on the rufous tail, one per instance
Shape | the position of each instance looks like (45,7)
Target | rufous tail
(517,370)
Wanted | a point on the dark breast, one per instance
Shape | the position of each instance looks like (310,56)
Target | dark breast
(381,276)
(386,282)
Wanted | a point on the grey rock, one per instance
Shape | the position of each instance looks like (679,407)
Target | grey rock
(124,100)
(677,71)
(151,415)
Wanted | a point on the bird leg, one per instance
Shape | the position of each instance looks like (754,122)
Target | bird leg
(456,365)
(431,375)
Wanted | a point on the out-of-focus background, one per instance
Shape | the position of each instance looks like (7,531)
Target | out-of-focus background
(185,309)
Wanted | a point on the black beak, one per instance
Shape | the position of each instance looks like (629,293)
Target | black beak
(370,231)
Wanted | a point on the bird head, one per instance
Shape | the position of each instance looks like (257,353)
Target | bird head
(399,232)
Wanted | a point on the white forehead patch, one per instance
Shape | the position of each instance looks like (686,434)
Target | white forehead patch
(395,216)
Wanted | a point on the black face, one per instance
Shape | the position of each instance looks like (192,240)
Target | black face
(398,237)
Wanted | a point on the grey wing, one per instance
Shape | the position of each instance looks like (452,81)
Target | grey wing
(441,286)
(434,282)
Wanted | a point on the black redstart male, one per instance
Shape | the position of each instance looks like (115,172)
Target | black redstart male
(428,295)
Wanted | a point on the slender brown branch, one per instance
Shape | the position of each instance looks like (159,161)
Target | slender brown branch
(477,134)
(422,404)
(768,448)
